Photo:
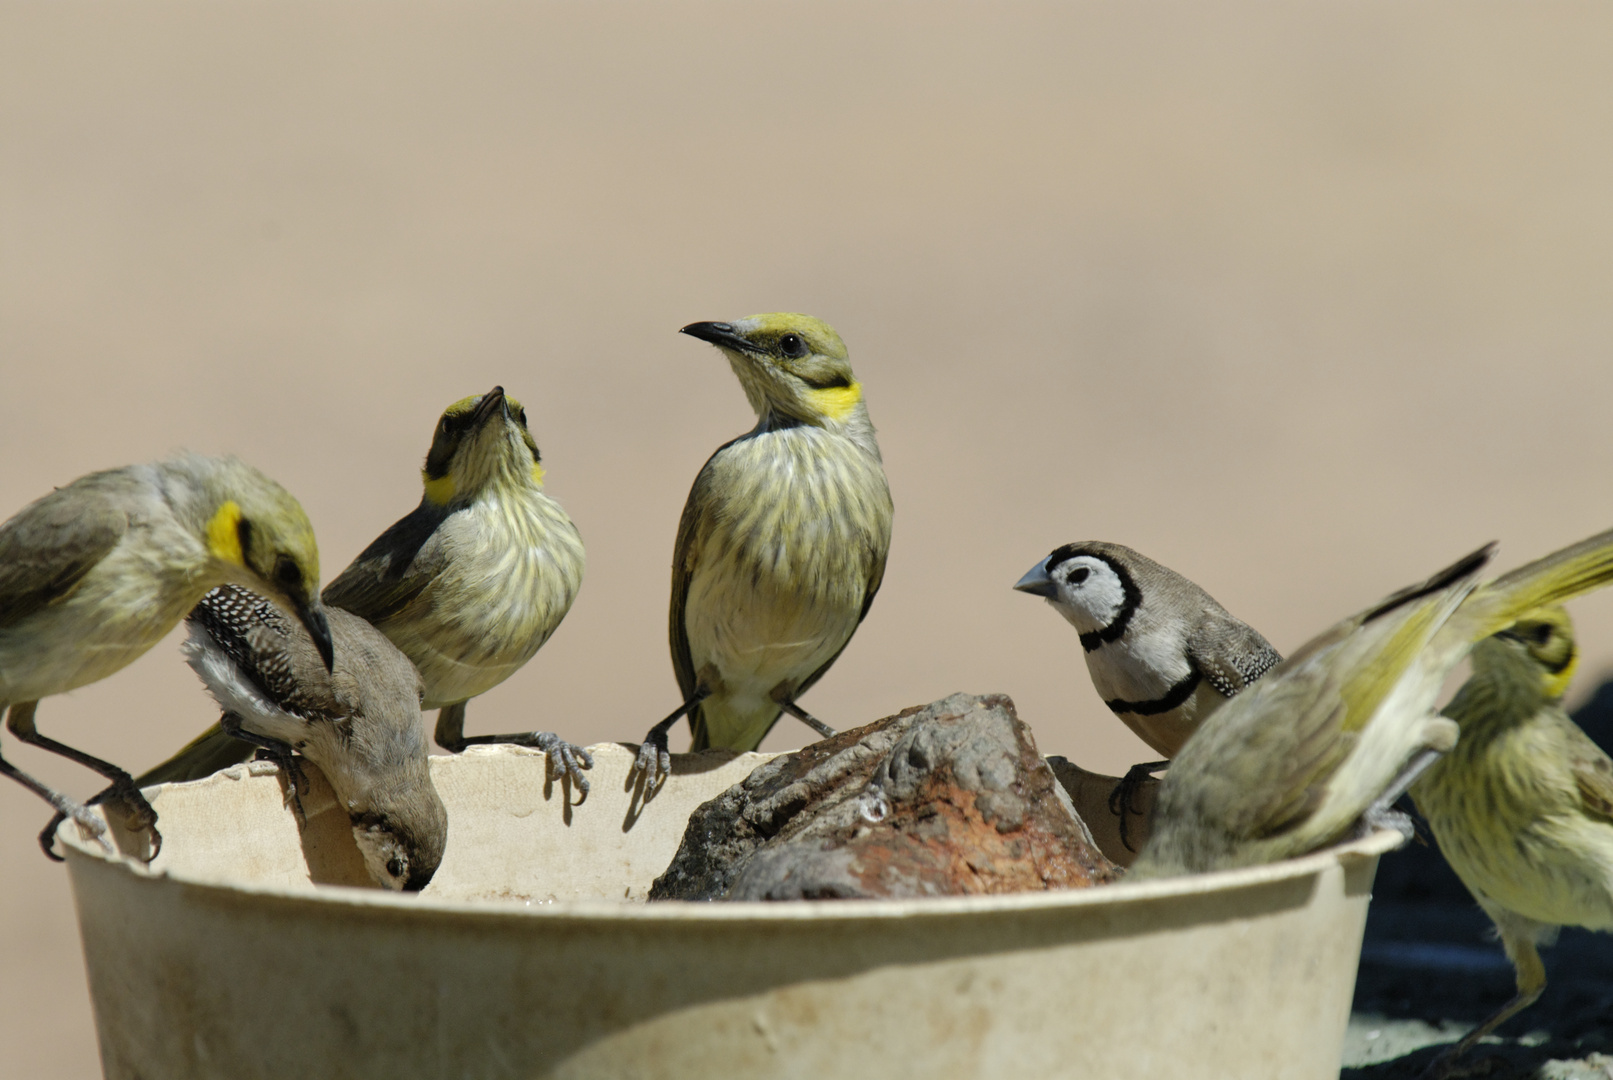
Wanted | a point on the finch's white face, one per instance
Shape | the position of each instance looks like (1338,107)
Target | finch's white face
(1086,591)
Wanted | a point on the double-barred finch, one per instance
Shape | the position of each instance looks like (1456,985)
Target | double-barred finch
(468,586)
(1523,806)
(782,543)
(1162,653)
(97,572)
(359,722)
(1325,742)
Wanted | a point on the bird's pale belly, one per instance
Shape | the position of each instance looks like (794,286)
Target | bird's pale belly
(757,636)
(1164,732)
(33,664)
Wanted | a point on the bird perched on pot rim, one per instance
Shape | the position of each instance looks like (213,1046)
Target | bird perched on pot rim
(1523,806)
(97,572)
(1328,739)
(782,543)
(1162,653)
(468,586)
(359,722)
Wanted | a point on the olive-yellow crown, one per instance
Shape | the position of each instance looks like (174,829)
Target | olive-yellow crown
(255,525)
(480,441)
(791,365)
(1543,640)
(259,526)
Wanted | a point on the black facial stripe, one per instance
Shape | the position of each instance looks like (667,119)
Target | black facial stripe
(833,382)
(1174,698)
(243,536)
(1562,665)
(1128,607)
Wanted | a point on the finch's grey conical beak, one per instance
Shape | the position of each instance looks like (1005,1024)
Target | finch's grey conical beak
(1036,581)
(312,616)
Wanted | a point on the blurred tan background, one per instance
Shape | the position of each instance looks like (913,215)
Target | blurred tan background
(1303,301)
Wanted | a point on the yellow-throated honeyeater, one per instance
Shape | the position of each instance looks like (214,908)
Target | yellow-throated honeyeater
(1522,807)
(783,539)
(468,586)
(97,572)
(1328,739)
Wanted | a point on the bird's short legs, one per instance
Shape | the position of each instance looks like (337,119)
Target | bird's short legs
(281,753)
(1531,982)
(138,812)
(809,720)
(1382,815)
(65,808)
(1122,800)
(564,758)
(654,758)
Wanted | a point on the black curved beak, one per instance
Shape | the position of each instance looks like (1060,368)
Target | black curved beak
(719,333)
(312,616)
(491,402)
(1036,581)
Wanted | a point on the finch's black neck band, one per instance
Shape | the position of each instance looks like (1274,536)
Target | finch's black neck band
(1174,698)
(1128,606)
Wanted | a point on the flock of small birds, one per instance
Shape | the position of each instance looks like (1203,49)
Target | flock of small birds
(779,554)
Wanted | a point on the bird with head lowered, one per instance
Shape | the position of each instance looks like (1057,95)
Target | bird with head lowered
(97,572)
(1326,741)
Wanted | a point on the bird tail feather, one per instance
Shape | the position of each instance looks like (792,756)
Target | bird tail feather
(203,756)
(1562,575)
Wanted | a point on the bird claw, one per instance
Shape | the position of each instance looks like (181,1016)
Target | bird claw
(654,761)
(564,758)
(85,819)
(1121,799)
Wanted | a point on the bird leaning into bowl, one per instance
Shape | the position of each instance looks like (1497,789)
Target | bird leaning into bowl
(469,585)
(782,543)
(97,572)
(1162,653)
(1522,808)
(359,723)
(1327,740)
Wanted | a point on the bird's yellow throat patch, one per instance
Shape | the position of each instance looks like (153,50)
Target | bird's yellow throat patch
(836,402)
(224,534)
(440,491)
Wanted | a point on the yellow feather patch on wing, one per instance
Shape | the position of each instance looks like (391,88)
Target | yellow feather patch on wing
(224,534)
(441,490)
(836,402)
(537,474)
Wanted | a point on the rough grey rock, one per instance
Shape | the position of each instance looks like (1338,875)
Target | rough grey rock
(946,799)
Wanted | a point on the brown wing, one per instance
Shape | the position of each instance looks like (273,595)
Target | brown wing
(685,554)
(390,573)
(1593,775)
(1232,655)
(1262,778)
(48,547)
(876,577)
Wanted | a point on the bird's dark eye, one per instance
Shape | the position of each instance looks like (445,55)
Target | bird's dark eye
(1078,575)
(792,345)
(394,866)
(1542,633)
(287,574)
